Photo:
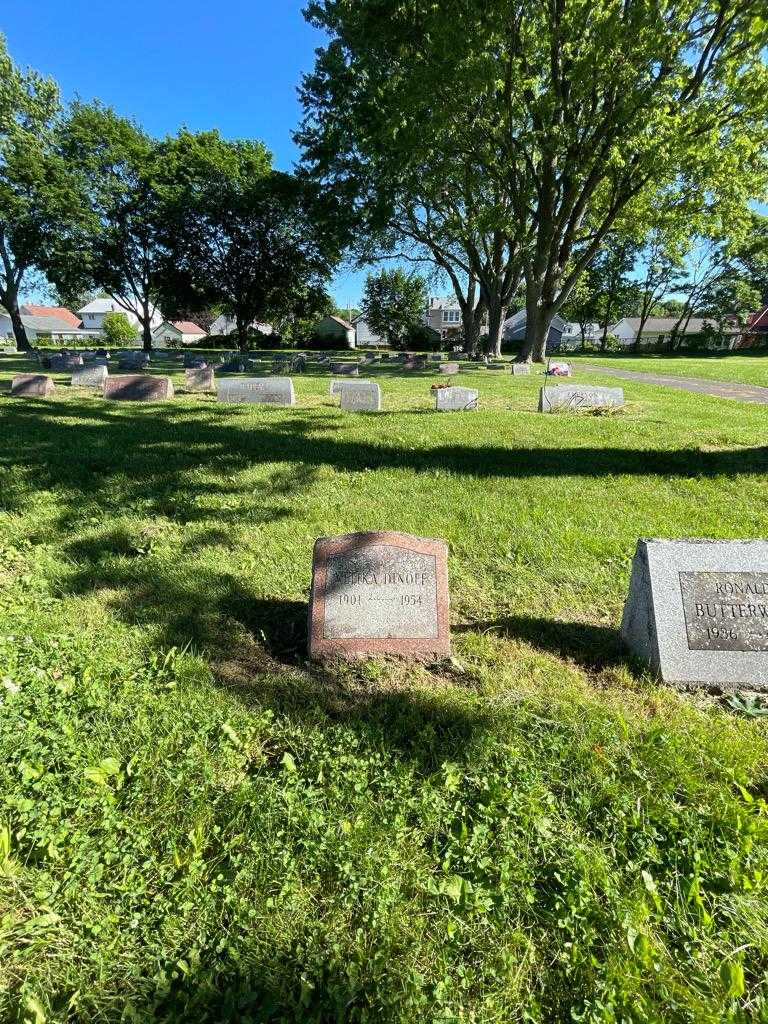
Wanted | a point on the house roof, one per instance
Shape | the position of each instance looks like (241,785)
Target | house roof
(340,321)
(665,324)
(102,306)
(48,325)
(187,327)
(759,319)
(520,319)
(59,312)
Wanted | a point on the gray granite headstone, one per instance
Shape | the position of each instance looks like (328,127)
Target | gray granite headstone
(360,396)
(456,400)
(346,369)
(257,390)
(697,612)
(449,368)
(335,389)
(199,379)
(579,398)
(521,369)
(91,376)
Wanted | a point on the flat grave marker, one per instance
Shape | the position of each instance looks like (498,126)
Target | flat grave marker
(138,388)
(697,612)
(379,593)
(90,376)
(456,399)
(32,385)
(579,398)
(256,390)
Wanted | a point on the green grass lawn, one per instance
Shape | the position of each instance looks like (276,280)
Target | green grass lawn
(742,369)
(196,825)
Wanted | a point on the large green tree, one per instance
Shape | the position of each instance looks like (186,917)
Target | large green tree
(121,251)
(241,234)
(569,109)
(41,201)
(393,304)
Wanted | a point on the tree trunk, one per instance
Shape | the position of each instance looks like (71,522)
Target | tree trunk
(146,333)
(497,314)
(19,331)
(242,331)
(538,322)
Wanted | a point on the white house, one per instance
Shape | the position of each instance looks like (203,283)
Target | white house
(93,314)
(571,337)
(443,316)
(364,336)
(657,330)
(225,325)
(44,326)
(178,332)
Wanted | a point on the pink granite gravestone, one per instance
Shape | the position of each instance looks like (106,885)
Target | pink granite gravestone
(379,593)
(32,385)
(138,388)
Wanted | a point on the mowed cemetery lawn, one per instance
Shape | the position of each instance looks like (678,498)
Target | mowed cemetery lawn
(196,825)
(740,369)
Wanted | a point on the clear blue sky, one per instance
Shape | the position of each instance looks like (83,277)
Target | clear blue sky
(227,64)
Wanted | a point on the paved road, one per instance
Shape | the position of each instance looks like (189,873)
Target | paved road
(715,388)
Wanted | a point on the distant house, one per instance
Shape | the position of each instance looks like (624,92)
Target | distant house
(756,330)
(336,329)
(514,330)
(60,313)
(94,312)
(364,336)
(571,337)
(178,332)
(658,331)
(225,325)
(44,327)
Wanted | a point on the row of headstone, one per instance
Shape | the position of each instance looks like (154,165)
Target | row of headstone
(696,613)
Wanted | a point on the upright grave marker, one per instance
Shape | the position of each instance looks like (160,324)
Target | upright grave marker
(697,612)
(456,399)
(360,396)
(579,398)
(346,369)
(32,385)
(379,593)
(257,390)
(90,376)
(521,369)
(449,368)
(199,379)
(138,388)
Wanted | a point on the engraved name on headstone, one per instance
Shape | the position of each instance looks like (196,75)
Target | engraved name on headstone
(579,398)
(456,399)
(91,376)
(257,390)
(697,612)
(32,385)
(361,396)
(138,388)
(379,593)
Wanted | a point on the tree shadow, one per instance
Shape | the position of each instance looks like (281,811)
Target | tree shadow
(591,646)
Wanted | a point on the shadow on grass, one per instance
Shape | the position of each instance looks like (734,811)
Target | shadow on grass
(591,646)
